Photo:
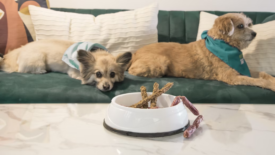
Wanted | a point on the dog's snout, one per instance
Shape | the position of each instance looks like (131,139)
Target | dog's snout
(106,86)
(254,34)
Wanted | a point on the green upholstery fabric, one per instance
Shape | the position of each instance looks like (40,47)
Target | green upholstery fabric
(60,88)
(173,26)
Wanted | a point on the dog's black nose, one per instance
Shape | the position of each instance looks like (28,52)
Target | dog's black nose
(106,87)
(254,34)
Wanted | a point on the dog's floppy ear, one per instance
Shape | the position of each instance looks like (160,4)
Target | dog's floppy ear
(124,59)
(225,25)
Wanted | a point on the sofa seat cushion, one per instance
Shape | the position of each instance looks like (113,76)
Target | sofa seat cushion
(60,88)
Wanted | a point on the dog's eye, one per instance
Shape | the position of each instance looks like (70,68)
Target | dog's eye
(249,25)
(98,75)
(112,74)
(240,26)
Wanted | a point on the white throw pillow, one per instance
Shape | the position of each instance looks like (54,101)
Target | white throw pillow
(260,54)
(120,32)
(206,22)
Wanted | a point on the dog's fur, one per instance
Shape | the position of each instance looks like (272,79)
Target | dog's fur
(194,60)
(46,55)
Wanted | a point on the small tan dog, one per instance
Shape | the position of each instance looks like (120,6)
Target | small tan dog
(194,60)
(98,67)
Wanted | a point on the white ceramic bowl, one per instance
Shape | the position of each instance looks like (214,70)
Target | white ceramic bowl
(163,121)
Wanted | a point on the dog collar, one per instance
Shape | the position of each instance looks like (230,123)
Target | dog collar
(232,56)
(70,55)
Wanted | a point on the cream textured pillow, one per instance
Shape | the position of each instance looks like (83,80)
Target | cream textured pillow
(260,54)
(119,32)
(206,22)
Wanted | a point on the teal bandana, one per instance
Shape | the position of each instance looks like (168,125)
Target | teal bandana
(70,56)
(232,56)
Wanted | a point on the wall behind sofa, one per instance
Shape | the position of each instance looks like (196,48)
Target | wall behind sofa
(223,5)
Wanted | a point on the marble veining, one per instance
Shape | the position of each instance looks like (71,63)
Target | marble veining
(69,129)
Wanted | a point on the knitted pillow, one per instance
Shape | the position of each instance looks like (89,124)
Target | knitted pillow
(125,31)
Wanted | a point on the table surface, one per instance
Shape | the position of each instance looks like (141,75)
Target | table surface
(69,129)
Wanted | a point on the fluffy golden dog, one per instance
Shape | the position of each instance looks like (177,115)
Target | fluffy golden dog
(195,61)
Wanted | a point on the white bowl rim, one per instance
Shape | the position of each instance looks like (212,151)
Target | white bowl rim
(112,102)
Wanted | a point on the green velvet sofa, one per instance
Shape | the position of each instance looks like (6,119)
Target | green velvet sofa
(173,26)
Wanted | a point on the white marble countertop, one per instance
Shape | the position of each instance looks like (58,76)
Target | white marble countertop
(69,129)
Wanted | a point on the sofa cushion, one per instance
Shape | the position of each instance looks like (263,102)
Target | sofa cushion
(60,88)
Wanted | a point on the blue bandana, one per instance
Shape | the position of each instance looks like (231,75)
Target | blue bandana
(232,56)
